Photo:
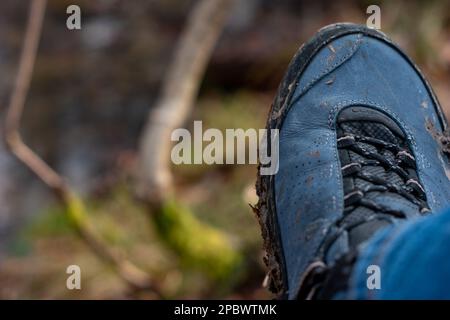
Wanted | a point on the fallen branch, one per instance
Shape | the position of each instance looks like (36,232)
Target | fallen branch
(75,209)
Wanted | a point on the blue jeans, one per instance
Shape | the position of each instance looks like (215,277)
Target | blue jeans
(413,260)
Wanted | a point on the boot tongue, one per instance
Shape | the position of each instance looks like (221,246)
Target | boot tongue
(366,122)
(363,232)
(370,116)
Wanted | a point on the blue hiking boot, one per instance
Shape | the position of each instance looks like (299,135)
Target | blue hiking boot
(363,144)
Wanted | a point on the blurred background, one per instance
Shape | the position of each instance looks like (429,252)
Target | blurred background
(90,96)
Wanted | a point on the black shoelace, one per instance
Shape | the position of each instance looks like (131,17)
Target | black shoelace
(376,164)
(382,164)
(372,153)
(404,165)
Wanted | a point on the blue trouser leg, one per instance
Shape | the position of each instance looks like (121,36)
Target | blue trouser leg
(413,260)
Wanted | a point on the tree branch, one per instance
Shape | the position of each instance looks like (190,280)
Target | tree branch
(134,276)
(178,93)
(196,243)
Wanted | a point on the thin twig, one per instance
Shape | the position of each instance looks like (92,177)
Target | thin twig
(134,276)
(17,102)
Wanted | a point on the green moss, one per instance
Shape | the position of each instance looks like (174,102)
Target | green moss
(197,244)
(76,211)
